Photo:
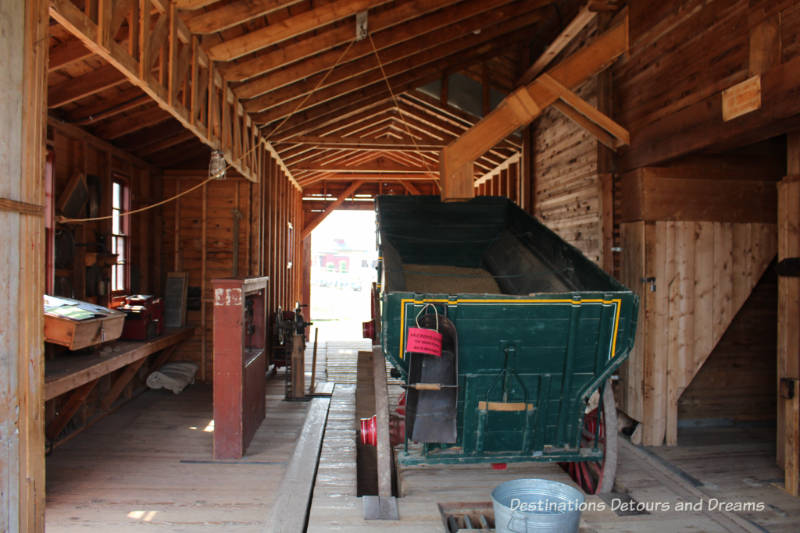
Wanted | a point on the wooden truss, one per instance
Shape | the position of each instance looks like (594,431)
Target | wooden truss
(165,60)
(526,103)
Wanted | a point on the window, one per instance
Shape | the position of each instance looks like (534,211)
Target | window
(49,227)
(120,231)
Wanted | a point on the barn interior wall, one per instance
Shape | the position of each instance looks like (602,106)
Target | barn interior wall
(567,184)
(703,48)
(76,152)
(199,239)
(737,382)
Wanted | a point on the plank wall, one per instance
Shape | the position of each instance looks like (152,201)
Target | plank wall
(198,238)
(683,54)
(567,185)
(702,273)
(75,151)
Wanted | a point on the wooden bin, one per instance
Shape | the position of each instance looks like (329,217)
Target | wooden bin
(77,334)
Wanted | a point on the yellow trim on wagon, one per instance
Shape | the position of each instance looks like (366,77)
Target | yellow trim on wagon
(616,301)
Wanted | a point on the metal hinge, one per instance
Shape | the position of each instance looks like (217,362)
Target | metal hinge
(652,282)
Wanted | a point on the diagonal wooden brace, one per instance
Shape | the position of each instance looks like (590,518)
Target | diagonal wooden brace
(521,107)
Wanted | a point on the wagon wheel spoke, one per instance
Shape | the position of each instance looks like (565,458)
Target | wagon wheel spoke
(598,431)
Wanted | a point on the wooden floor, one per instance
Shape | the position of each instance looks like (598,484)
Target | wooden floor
(148,467)
(733,465)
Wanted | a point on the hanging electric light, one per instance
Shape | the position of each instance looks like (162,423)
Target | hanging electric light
(217,167)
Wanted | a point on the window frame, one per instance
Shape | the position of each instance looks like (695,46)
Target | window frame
(124,235)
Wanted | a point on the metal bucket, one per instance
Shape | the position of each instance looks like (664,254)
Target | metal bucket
(536,505)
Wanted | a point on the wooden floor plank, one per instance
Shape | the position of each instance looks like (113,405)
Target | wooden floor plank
(294,495)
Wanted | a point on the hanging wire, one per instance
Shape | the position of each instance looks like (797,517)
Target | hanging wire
(65,220)
(432,173)
(310,94)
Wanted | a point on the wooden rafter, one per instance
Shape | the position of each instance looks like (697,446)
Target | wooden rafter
(67,53)
(135,121)
(394,44)
(581,20)
(292,27)
(360,143)
(520,108)
(217,119)
(432,60)
(233,13)
(91,83)
(326,39)
(309,227)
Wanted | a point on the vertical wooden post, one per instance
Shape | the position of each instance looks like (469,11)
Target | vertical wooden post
(23,106)
(204,301)
(788,296)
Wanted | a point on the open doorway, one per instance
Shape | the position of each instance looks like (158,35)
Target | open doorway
(343,260)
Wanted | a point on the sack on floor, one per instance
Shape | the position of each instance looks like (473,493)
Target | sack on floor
(173,376)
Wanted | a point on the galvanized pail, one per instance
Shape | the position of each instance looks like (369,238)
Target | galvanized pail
(536,505)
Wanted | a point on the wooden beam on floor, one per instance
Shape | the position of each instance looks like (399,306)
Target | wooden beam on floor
(520,108)
(291,509)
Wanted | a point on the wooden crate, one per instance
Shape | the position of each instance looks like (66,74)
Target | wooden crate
(77,334)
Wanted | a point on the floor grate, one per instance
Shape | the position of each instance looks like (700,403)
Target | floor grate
(463,516)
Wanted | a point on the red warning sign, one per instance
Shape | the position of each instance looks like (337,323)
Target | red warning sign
(427,341)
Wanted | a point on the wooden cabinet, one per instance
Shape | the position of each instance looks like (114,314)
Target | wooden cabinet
(239,363)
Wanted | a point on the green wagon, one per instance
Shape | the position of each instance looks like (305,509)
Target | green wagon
(532,332)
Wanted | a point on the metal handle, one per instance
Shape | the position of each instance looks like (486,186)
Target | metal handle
(515,518)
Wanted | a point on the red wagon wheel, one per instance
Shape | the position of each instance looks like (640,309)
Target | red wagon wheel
(600,422)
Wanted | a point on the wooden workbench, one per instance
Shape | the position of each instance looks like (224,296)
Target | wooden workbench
(79,373)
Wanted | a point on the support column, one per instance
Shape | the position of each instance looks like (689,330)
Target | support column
(788,316)
(23,86)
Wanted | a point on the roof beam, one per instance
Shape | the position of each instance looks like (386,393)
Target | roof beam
(520,108)
(436,57)
(234,13)
(576,25)
(232,132)
(309,227)
(67,53)
(356,143)
(291,27)
(109,111)
(400,41)
(136,121)
(94,82)
(325,39)
(167,143)
(193,4)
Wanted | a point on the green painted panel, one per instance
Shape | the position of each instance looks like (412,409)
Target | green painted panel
(549,348)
